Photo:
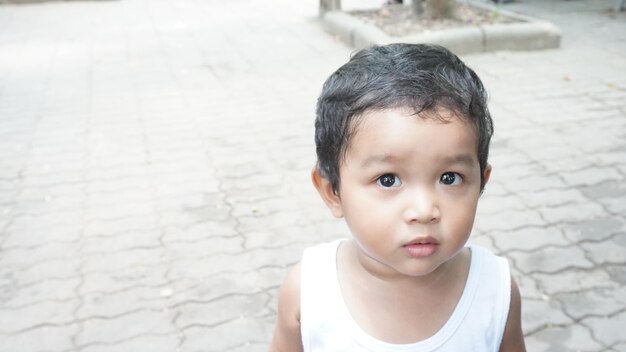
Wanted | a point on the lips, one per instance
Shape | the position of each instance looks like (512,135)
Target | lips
(423,246)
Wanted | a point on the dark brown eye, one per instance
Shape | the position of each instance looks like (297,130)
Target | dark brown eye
(450,178)
(389,180)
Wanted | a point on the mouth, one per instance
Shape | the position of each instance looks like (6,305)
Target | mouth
(422,246)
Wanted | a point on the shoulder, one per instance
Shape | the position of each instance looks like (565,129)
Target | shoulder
(287,330)
(513,339)
(289,294)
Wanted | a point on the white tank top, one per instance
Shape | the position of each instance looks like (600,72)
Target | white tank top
(477,323)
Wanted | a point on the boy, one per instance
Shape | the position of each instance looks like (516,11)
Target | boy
(402,134)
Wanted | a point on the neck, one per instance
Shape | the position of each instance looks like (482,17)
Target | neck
(371,272)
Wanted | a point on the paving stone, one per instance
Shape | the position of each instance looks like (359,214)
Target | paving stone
(617,273)
(611,251)
(594,229)
(191,201)
(95,171)
(101,305)
(124,279)
(120,260)
(28,256)
(151,342)
(551,259)
(608,189)
(43,203)
(220,310)
(36,224)
(592,176)
(538,314)
(123,225)
(564,213)
(13,295)
(508,220)
(518,171)
(574,279)
(226,336)
(263,207)
(271,221)
(212,212)
(597,301)
(530,238)
(123,196)
(607,329)
(536,183)
(72,182)
(571,338)
(197,269)
(121,210)
(183,187)
(223,284)
(49,192)
(132,240)
(494,204)
(263,257)
(52,269)
(615,206)
(18,320)
(134,323)
(567,163)
(552,197)
(200,231)
(318,231)
(205,247)
(44,338)
(619,347)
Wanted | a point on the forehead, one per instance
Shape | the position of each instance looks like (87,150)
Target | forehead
(434,134)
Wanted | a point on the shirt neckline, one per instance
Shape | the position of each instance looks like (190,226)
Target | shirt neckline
(436,340)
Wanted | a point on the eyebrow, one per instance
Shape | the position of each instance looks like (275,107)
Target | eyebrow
(465,159)
(378,159)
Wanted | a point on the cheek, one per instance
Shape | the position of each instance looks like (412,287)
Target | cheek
(368,221)
(461,217)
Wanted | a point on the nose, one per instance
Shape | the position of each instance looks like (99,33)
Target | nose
(422,207)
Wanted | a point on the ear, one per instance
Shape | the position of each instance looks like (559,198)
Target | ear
(486,174)
(325,189)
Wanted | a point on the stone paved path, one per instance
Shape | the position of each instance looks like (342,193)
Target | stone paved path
(154,161)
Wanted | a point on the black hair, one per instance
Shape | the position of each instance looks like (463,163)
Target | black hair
(421,77)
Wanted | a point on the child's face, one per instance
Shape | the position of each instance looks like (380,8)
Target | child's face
(409,188)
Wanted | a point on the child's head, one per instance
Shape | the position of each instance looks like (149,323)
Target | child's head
(418,77)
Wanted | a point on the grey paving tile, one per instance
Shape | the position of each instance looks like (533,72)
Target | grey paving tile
(569,338)
(606,328)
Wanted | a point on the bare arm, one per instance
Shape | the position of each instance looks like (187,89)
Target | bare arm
(287,336)
(513,339)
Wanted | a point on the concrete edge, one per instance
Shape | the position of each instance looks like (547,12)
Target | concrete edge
(522,36)
(353,31)
(529,34)
(458,40)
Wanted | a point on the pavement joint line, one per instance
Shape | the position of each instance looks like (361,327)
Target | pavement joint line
(120,341)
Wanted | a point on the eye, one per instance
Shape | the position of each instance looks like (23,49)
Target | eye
(450,179)
(389,180)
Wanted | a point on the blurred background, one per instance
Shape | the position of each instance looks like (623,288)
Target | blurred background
(155,159)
